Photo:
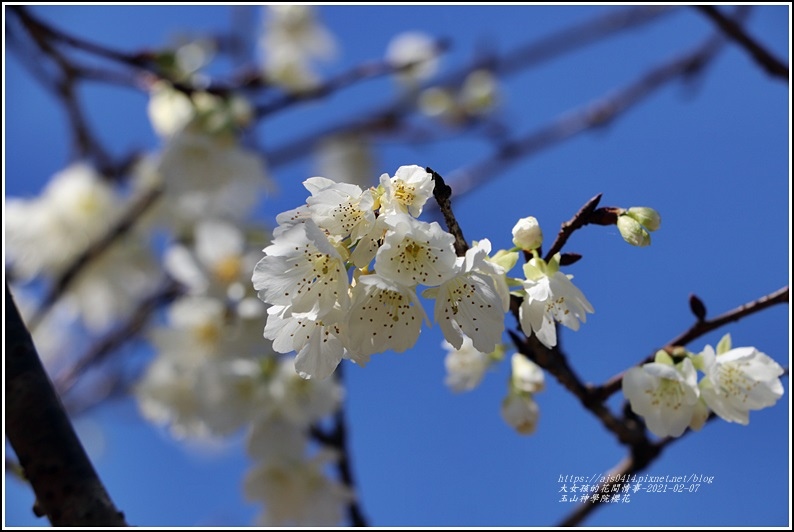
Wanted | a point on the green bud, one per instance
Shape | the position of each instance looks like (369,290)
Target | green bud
(632,232)
(724,345)
(662,357)
(647,217)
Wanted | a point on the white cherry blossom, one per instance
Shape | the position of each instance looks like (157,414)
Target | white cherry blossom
(317,344)
(550,297)
(383,315)
(415,252)
(343,210)
(666,395)
(739,380)
(407,191)
(473,302)
(301,268)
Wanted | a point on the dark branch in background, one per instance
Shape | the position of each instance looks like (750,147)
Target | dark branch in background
(64,87)
(123,334)
(389,117)
(770,63)
(357,74)
(589,117)
(442,192)
(68,490)
(122,227)
(702,327)
(336,438)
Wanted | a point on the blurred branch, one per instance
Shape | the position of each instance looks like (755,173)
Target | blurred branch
(702,327)
(357,74)
(387,118)
(337,439)
(68,490)
(592,116)
(169,291)
(115,232)
(773,66)
(63,86)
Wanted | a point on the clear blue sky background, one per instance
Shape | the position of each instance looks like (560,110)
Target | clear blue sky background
(712,157)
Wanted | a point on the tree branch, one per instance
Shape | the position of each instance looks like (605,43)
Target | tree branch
(66,485)
(587,118)
(442,192)
(773,66)
(702,327)
(115,232)
(98,352)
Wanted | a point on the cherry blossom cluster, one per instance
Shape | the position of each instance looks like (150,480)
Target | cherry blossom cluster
(325,313)
(667,394)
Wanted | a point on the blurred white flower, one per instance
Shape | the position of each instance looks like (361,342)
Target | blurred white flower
(520,411)
(302,401)
(45,234)
(292,38)
(109,286)
(525,375)
(209,176)
(218,263)
(298,493)
(416,54)
(346,158)
(465,366)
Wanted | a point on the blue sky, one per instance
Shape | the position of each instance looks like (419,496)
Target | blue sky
(711,155)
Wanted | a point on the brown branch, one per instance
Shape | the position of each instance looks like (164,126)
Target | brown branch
(388,117)
(362,72)
(68,490)
(336,438)
(639,458)
(580,219)
(555,362)
(700,328)
(110,343)
(37,26)
(770,63)
(442,192)
(586,118)
(115,232)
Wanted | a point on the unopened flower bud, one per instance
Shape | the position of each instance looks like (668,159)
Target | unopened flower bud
(632,232)
(646,216)
(527,234)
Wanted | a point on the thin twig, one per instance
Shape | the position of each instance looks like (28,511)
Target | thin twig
(586,118)
(762,56)
(114,233)
(388,117)
(579,220)
(442,192)
(702,327)
(169,291)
